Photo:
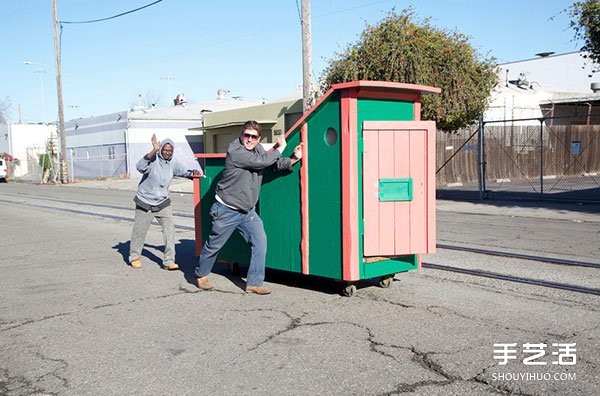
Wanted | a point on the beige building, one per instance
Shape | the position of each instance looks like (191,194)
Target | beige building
(275,118)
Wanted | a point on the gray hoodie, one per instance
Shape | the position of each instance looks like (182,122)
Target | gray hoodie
(239,186)
(157,175)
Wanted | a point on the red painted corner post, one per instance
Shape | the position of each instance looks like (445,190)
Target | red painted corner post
(197,214)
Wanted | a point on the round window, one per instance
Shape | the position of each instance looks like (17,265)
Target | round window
(331,136)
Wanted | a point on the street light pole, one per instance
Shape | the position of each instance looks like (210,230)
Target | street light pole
(169,79)
(64,170)
(40,71)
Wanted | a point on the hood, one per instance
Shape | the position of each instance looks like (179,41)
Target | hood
(162,144)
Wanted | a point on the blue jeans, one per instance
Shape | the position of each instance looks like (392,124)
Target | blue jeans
(224,222)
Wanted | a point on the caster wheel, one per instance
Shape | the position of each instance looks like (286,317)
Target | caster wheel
(386,281)
(349,290)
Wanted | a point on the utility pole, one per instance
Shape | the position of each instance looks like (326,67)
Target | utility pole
(64,170)
(306,56)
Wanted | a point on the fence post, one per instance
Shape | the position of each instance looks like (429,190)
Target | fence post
(481,158)
(542,156)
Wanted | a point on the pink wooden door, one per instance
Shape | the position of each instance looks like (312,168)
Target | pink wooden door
(398,187)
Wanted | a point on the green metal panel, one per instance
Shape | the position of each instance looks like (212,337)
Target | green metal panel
(391,266)
(395,189)
(380,110)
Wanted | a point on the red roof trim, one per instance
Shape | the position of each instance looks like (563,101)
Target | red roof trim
(211,155)
(387,85)
(364,84)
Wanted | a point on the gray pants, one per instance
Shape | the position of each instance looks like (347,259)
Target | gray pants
(143,220)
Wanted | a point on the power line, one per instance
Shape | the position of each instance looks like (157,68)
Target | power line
(114,16)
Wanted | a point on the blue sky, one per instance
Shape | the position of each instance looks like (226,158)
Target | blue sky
(251,48)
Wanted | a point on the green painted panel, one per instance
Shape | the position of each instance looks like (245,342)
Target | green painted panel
(391,266)
(398,189)
(384,110)
(236,249)
(378,110)
(279,208)
(325,190)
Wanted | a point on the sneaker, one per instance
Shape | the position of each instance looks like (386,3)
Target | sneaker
(171,267)
(203,283)
(136,263)
(257,290)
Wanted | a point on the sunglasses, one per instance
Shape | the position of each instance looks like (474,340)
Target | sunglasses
(250,136)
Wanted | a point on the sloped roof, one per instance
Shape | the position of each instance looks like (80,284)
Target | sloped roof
(568,99)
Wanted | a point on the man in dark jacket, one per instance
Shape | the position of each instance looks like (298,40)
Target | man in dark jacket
(152,200)
(235,198)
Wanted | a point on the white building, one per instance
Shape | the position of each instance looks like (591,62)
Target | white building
(26,142)
(526,85)
(568,72)
(110,145)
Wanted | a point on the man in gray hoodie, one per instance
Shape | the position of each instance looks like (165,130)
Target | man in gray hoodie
(236,196)
(152,200)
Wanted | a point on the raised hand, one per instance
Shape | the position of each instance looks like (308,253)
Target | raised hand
(155,143)
(298,151)
(281,143)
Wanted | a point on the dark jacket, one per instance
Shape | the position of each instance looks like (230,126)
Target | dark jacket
(239,186)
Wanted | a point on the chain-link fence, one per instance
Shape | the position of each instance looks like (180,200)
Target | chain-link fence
(529,158)
(98,162)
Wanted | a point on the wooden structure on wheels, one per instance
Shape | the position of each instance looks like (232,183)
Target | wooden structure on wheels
(360,204)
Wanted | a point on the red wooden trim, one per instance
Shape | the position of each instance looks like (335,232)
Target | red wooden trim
(309,112)
(385,85)
(410,124)
(394,95)
(304,243)
(349,145)
(431,200)
(210,155)
(197,214)
(417,109)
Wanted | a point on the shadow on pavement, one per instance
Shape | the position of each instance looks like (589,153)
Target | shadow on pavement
(584,201)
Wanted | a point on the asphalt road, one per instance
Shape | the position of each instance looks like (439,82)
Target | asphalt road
(76,320)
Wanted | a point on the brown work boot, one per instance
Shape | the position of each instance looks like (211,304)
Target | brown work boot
(136,263)
(257,290)
(171,267)
(203,283)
